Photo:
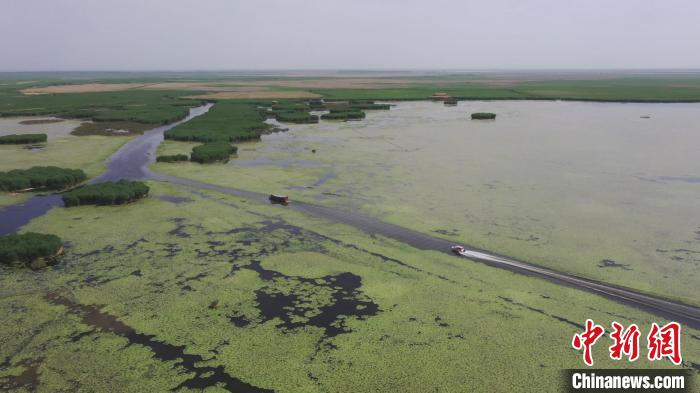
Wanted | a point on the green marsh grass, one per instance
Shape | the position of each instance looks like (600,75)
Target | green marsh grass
(143,272)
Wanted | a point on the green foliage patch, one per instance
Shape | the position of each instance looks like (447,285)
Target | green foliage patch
(27,247)
(316,104)
(140,106)
(225,122)
(107,193)
(212,152)
(207,289)
(368,105)
(483,116)
(625,89)
(173,158)
(49,177)
(344,114)
(293,106)
(296,117)
(22,139)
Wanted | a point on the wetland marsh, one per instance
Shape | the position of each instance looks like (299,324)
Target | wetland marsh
(404,197)
(220,292)
(568,185)
(205,287)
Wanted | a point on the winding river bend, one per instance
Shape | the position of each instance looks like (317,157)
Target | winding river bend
(132,160)
(129,162)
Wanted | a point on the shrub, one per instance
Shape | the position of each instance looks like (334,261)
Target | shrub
(27,247)
(296,117)
(107,193)
(173,158)
(483,116)
(22,139)
(212,152)
(343,114)
(50,177)
(316,104)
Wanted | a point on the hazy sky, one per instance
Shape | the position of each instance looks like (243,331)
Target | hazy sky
(352,34)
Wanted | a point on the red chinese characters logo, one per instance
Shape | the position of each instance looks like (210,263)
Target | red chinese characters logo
(587,339)
(662,342)
(665,342)
(626,342)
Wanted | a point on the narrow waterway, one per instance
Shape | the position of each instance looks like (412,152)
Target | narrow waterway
(129,162)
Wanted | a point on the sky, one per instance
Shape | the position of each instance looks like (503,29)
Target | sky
(134,35)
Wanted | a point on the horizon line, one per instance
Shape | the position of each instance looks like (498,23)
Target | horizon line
(412,70)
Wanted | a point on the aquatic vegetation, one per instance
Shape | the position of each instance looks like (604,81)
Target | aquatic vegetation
(140,106)
(41,177)
(52,127)
(22,139)
(87,153)
(483,116)
(173,158)
(354,105)
(40,121)
(450,101)
(130,110)
(491,202)
(343,114)
(625,89)
(107,193)
(295,117)
(316,104)
(27,247)
(221,291)
(226,121)
(287,106)
(225,293)
(212,152)
(111,128)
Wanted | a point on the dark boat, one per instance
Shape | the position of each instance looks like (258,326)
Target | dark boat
(281,199)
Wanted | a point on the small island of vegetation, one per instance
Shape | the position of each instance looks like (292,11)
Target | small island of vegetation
(316,104)
(450,101)
(225,121)
(367,105)
(344,114)
(40,177)
(298,117)
(28,248)
(173,158)
(483,116)
(212,152)
(22,139)
(108,193)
